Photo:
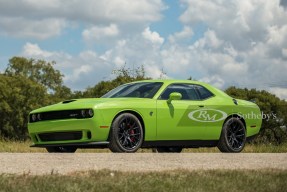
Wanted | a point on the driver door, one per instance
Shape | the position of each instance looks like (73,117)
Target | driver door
(173,122)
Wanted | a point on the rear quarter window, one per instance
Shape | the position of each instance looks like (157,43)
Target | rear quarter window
(203,92)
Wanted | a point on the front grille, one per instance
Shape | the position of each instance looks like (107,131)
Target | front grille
(66,114)
(61,136)
(53,115)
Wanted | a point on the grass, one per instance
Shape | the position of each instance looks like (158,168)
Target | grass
(178,180)
(24,147)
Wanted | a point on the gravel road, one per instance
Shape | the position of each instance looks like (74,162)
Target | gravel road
(45,163)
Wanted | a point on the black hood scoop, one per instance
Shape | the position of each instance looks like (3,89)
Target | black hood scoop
(69,101)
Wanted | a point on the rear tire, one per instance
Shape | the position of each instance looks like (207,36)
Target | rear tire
(167,150)
(61,149)
(233,136)
(126,134)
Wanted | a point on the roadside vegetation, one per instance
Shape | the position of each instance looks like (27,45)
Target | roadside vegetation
(23,147)
(27,84)
(179,180)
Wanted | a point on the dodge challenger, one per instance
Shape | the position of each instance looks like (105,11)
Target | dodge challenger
(166,115)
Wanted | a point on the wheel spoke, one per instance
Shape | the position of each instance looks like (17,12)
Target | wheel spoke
(125,141)
(239,130)
(133,128)
(239,136)
(121,137)
(129,133)
(126,120)
(232,142)
(132,143)
(235,126)
(235,135)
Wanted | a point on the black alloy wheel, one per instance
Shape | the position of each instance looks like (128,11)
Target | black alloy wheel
(233,136)
(126,134)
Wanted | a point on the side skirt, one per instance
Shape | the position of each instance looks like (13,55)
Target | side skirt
(181,143)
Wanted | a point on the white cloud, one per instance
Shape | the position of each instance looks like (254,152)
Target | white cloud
(47,18)
(96,33)
(284,53)
(177,61)
(222,42)
(210,40)
(37,29)
(86,10)
(31,50)
(153,37)
(215,80)
(244,44)
(184,34)
(239,22)
(155,72)
(81,71)
(119,62)
(280,92)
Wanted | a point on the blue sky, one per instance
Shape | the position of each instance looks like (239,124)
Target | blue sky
(221,42)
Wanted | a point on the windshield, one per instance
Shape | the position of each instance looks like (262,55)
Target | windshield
(139,90)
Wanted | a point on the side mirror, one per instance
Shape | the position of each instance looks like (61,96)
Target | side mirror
(174,96)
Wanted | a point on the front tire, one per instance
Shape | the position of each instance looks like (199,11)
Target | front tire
(126,134)
(233,136)
(61,149)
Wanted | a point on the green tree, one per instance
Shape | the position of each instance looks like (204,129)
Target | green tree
(273,126)
(38,71)
(18,96)
(41,72)
(27,84)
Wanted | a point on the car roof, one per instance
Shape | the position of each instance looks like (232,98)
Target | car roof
(169,81)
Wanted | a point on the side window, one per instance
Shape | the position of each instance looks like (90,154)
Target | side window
(186,90)
(203,92)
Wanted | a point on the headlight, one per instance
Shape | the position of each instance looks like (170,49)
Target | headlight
(87,113)
(33,117)
(83,113)
(39,117)
(58,115)
(91,112)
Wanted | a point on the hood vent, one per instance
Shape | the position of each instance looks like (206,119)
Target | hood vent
(68,101)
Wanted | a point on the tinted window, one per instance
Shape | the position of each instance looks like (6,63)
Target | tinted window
(188,92)
(139,90)
(203,92)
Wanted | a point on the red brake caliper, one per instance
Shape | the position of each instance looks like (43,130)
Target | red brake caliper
(132,137)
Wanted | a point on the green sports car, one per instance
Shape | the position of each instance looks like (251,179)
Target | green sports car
(166,115)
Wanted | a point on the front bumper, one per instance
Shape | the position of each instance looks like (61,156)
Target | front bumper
(68,131)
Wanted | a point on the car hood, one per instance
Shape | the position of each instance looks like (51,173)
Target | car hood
(83,103)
